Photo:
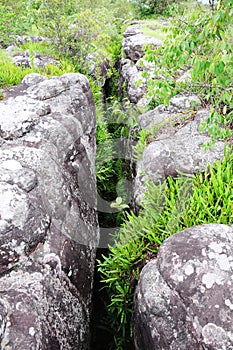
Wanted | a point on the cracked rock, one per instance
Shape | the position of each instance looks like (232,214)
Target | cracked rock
(48,216)
(184,297)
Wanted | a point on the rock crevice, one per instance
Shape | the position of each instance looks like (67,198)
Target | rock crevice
(48,220)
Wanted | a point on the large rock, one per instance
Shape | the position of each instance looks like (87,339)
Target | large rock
(26,60)
(184,299)
(135,41)
(133,67)
(48,221)
(133,76)
(178,142)
(98,67)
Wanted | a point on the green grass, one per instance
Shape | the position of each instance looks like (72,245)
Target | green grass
(9,73)
(167,208)
(12,75)
(153,28)
(44,48)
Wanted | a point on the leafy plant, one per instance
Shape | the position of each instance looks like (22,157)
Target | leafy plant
(14,21)
(167,208)
(152,7)
(202,43)
(13,75)
(89,33)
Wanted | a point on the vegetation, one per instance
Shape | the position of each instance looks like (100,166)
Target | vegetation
(10,74)
(167,208)
(200,42)
(14,20)
(153,7)
(87,33)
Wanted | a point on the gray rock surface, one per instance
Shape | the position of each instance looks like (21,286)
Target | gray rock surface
(98,67)
(178,142)
(23,39)
(24,59)
(48,221)
(184,299)
(135,41)
(133,75)
(133,66)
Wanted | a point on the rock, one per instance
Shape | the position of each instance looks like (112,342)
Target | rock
(134,44)
(12,48)
(48,221)
(133,75)
(184,77)
(23,39)
(184,298)
(135,82)
(180,106)
(24,59)
(33,78)
(98,68)
(133,29)
(134,70)
(178,143)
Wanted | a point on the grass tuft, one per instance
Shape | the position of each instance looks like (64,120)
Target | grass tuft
(168,208)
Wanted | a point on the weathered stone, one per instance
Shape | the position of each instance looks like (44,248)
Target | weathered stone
(24,59)
(98,68)
(178,143)
(135,82)
(134,45)
(22,39)
(184,297)
(33,78)
(48,221)
(133,29)
(133,67)
(178,110)
(184,77)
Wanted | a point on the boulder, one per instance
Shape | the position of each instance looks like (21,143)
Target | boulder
(134,43)
(133,75)
(48,221)
(133,67)
(98,67)
(177,145)
(135,82)
(184,298)
(24,59)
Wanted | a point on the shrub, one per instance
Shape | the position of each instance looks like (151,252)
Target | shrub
(153,7)
(14,21)
(167,208)
(200,42)
(86,32)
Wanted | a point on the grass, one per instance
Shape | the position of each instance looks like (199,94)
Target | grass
(44,48)
(11,75)
(167,208)
(153,28)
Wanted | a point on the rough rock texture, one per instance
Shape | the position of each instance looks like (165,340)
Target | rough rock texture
(133,65)
(184,299)
(136,83)
(24,59)
(98,68)
(48,222)
(134,43)
(22,39)
(178,142)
